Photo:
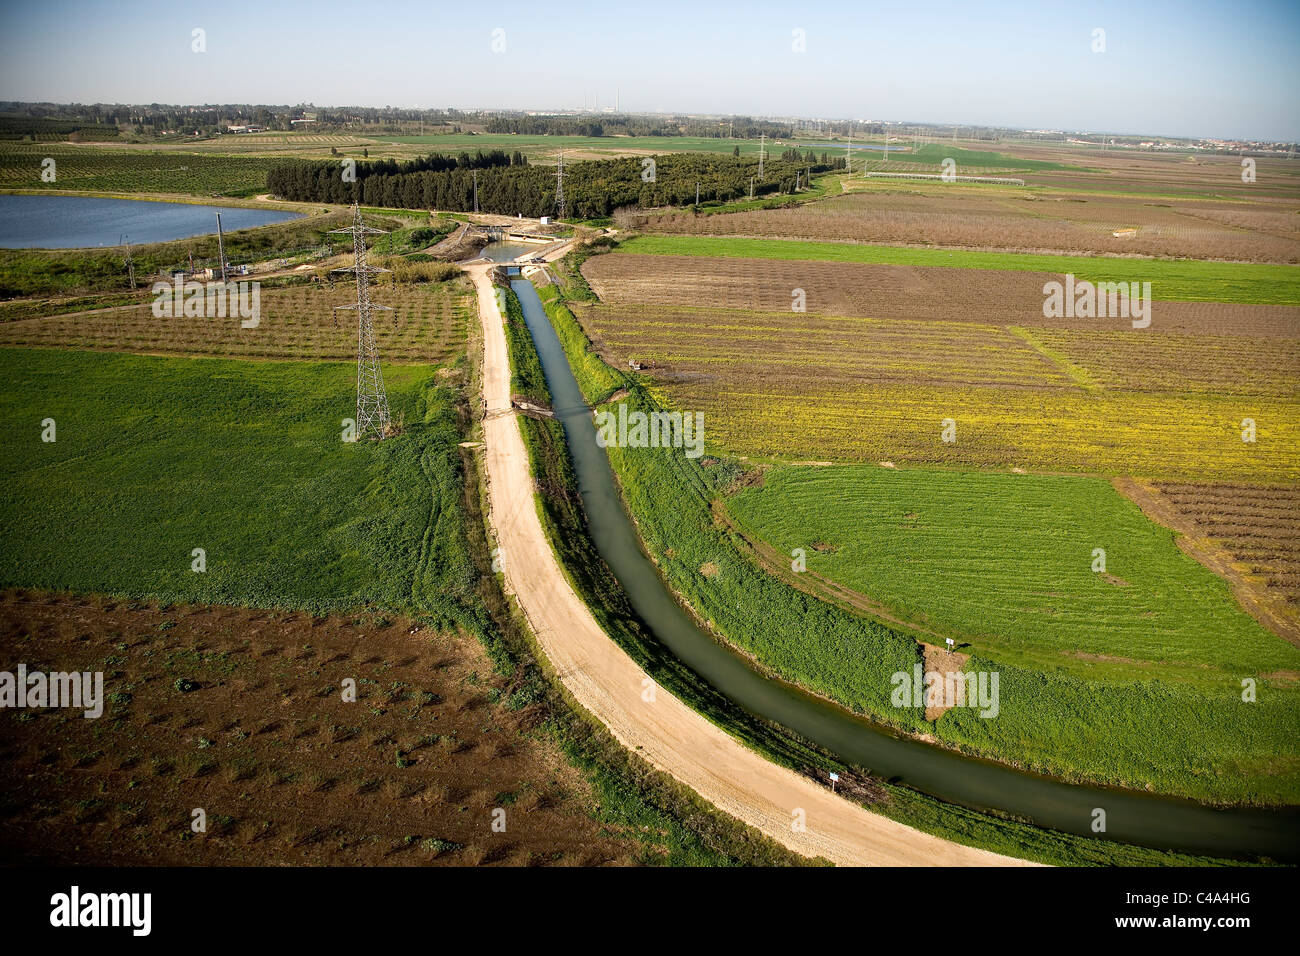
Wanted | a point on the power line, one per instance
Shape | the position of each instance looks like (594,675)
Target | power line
(372,400)
(128,261)
(559,188)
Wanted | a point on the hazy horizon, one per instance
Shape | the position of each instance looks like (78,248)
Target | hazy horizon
(1168,69)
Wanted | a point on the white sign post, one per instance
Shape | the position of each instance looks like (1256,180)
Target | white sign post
(834,779)
(950,643)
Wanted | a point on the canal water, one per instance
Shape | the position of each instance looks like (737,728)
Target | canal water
(73,222)
(1152,821)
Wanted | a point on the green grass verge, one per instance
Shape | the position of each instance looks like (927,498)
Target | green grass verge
(1183,280)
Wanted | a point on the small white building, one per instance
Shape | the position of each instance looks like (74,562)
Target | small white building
(546,220)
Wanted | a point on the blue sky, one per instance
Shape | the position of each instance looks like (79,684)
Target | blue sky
(1195,69)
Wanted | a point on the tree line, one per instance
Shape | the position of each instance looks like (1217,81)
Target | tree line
(592,189)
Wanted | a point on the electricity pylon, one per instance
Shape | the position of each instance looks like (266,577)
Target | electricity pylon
(372,401)
(559,188)
(129,262)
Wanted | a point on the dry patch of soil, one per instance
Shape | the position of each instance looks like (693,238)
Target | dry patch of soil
(261,739)
(1246,534)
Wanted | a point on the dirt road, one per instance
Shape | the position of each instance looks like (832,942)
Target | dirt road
(657,725)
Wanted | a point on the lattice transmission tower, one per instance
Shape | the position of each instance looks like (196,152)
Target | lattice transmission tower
(372,401)
(559,188)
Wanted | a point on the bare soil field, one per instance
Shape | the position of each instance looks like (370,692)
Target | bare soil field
(1259,527)
(685,344)
(1169,174)
(1266,230)
(427,325)
(1179,362)
(240,712)
(983,296)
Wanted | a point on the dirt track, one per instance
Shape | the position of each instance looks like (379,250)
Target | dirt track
(608,684)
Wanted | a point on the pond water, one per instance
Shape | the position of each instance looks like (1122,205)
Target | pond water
(69,222)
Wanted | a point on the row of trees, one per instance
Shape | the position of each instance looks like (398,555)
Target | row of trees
(592,189)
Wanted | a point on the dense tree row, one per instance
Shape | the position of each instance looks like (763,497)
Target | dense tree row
(592,189)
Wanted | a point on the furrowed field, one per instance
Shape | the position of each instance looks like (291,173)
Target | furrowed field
(131,171)
(1267,230)
(801,386)
(427,324)
(1174,280)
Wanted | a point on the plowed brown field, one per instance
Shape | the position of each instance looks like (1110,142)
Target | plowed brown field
(427,324)
(1258,525)
(983,296)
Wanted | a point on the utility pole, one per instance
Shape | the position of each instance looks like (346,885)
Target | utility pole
(129,263)
(848,151)
(559,188)
(751,187)
(372,400)
(476,190)
(762,142)
(221,249)
(697,194)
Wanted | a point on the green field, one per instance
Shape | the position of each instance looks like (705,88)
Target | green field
(156,457)
(933,154)
(124,170)
(936,153)
(1171,280)
(1004,562)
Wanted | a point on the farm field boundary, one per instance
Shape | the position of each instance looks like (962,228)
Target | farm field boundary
(1177,280)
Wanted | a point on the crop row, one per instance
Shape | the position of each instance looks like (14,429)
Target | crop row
(129,171)
(427,325)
